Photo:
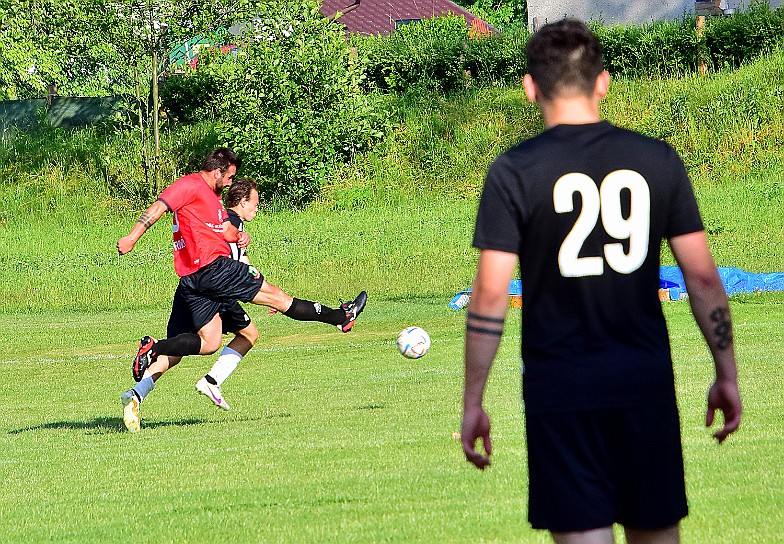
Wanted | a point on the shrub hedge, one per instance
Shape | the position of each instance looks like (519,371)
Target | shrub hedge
(289,101)
(439,55)
(300,99)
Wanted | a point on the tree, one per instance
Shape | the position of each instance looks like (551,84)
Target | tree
(291,103)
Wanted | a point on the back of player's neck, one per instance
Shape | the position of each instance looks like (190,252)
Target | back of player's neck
(570,111)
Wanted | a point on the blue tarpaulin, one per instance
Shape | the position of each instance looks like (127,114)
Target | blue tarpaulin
(735,281)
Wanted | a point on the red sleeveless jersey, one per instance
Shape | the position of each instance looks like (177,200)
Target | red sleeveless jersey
(198,223)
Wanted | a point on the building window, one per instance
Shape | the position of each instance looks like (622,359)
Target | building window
(401,22)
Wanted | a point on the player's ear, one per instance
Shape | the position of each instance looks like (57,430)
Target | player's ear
(602,84)
(530,88)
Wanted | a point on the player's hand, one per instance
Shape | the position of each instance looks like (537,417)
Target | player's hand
(724,396)
(125,245)
(476,425)
(243,239)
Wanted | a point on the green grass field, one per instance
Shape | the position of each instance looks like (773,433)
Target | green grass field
(332,437)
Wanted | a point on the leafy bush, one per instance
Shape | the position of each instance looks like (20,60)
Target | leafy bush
(292,103)
(194,94)
(504,15)
(498,58)
(663,49)
(428,54)
(437,53)
(745,36)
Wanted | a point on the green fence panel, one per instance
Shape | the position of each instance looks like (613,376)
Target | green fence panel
(62,112)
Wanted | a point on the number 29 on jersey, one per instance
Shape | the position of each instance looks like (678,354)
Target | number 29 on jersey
(604,202)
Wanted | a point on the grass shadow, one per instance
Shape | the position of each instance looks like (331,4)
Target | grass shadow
(109,425)
(105,425)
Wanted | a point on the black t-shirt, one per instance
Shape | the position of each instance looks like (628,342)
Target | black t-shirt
(585,207)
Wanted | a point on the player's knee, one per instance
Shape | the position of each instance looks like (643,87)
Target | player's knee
(210,345)
(251,334)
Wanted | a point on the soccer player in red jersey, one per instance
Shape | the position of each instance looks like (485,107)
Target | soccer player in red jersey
(583,208)
(209,278)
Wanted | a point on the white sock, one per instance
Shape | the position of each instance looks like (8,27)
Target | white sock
(144,387)
(225,365)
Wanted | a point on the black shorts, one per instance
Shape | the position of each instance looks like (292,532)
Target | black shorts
(214,289)
(233,317)
(592,469)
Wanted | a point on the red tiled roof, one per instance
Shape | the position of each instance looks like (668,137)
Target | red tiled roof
(379,16)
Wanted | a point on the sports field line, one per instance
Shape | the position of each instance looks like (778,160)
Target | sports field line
(327,347)
(277,349)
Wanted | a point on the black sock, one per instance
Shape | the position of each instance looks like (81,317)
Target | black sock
(183,344)
(305,310)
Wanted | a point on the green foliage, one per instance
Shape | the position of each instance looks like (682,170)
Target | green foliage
(61,211)
(498,58)
(428,55)
(195,95)
(292,103)
(504,15)
(659,49)
(436,54)
(31,48)
(745,36)
(664,49)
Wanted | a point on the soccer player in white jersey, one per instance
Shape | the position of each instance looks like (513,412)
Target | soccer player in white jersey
(584,207)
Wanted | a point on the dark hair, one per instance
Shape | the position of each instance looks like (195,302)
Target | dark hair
(564,57)
(220,159)
(239,190)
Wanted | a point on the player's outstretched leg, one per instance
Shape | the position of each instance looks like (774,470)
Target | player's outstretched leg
(212,392)
(131,416)
(352,309)
(342,317)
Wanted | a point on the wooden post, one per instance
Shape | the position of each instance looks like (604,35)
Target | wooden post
(702,66)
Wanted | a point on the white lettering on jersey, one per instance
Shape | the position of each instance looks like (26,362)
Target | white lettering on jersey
(179,244)
(604,201)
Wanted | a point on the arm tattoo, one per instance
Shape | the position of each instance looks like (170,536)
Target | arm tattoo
(483,330)
(487,319)
(723,329)
(146,220)
(488,325)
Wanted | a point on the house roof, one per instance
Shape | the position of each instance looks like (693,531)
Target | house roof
(373,17)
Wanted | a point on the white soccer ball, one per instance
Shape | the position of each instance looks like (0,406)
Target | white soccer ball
(413,342)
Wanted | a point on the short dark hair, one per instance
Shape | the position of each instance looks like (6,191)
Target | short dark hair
(220,159)
(239,190)
(564,57)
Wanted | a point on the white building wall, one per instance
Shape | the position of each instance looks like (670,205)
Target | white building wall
(743,4)
(608,11)
(620,11)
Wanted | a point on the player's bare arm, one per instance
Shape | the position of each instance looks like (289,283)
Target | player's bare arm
(711,310)
(484,327)
(235,236)
(145,221)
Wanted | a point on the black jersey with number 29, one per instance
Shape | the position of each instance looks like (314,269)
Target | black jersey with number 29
(586,208)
